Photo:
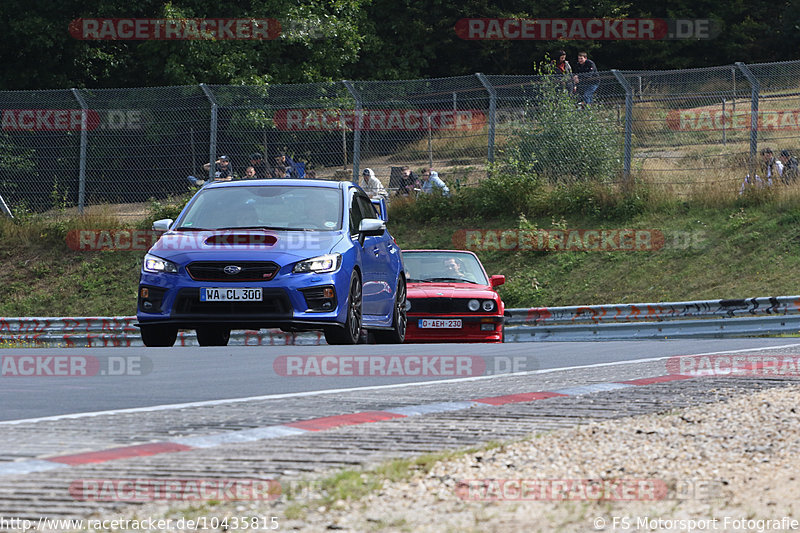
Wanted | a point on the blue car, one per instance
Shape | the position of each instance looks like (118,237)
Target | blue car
(293,254)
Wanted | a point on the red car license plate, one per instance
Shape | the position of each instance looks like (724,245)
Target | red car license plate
(444,323)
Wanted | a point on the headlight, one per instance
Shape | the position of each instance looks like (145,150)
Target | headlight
(156,265)
(323,263)
(488,305)
(474,305)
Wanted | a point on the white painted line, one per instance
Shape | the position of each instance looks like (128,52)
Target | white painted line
(208,403)
(27,467)
(594,387)
(441,407)
(245,435)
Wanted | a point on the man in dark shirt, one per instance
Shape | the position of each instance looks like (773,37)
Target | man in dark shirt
(585,77)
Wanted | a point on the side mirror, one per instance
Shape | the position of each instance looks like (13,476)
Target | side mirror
(163,224)
(372,227)
(497,280)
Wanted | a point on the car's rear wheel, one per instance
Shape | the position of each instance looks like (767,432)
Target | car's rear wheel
(213,336)
(399,319)
(158,335)
(351,332)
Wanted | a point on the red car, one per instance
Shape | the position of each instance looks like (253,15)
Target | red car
(451,299)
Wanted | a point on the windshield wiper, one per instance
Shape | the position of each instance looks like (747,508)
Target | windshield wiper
(457,280)
(276,228)
(191,228)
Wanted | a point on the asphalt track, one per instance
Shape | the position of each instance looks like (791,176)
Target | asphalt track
(168,377)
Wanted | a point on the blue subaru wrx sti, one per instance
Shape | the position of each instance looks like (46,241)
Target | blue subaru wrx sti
(294,254)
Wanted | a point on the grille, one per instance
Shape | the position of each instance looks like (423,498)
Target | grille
(275,303)
(439,305)
(214,270)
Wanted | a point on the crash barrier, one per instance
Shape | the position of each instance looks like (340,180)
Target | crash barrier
(87,332)
(704,318)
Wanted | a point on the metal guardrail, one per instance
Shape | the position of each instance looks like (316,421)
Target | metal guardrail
(705,318)
(88,332)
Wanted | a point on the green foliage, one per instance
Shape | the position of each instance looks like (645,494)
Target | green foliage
(564,142)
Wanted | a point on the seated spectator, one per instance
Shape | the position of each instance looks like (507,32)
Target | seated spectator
(754,183)
(223,171)
(408,182)
(790,167)
(286,168)
(372,185)
(774,168)
(250,173)
(260,166)
(431,181)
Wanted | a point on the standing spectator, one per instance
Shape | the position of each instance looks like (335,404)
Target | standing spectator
(431,180)
(372,185)
(564,70)
(790,167)
(408,182)
(774,168)
(586,78)
(260,166)
(223,171)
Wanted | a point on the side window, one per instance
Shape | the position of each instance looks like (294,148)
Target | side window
(356,214)
(367,209)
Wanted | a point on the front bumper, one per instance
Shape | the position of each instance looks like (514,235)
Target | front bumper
(287,302)
(474,328)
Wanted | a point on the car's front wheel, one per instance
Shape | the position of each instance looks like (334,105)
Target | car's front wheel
(158,335)
(399,319)
(351,332)
(213,336)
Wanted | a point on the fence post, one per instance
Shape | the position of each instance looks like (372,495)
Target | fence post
(626,170)
(755,90)
(212,145)
(492,112)
(357,123)
(82,157)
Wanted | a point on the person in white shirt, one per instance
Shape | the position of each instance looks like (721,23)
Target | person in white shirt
(372,185)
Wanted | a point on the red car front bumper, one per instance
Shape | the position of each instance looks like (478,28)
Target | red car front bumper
(473,329)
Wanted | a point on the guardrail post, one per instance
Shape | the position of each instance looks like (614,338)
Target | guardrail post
(492,112)
(212,145)
(82,157)
(755,91)
(626,170)
(357,123)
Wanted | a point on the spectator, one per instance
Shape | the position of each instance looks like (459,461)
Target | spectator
(774,168)
(790,167)
(260,166)
(372,185)
(311,174)
(285,167)
(585,78)
(754,183)
(431,180)
(223,171)
(250,173)
(408,182)
(564,70)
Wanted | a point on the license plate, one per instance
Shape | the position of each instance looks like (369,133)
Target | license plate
(221,294)
(444,323)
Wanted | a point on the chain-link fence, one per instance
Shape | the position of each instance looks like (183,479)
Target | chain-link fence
(679,129)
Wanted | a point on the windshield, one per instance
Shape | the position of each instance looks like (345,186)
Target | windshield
(444,267)
(264,206)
